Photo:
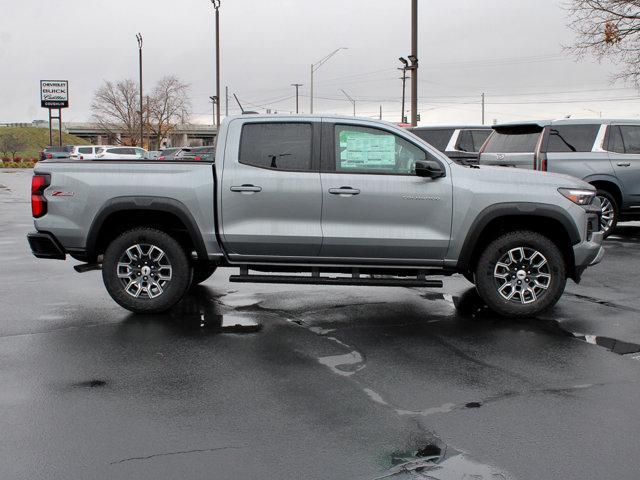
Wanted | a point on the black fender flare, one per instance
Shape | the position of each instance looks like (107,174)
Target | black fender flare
(148,203)
(524,209)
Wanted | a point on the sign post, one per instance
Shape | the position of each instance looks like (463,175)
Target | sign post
(54,95)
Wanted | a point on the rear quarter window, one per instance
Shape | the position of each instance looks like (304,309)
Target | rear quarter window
(572,138)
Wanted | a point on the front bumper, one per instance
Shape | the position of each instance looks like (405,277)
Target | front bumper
(45,245)
(589,252)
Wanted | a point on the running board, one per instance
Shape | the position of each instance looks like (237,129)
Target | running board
(354,279)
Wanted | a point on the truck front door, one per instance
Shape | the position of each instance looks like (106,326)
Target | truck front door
(374,206)
(270,189)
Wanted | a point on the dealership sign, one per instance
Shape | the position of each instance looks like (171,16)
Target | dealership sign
(54,93)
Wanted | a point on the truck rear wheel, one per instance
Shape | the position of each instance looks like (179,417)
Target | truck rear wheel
(146,270)
(520,274)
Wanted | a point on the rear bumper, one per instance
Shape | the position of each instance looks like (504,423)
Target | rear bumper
(45,245)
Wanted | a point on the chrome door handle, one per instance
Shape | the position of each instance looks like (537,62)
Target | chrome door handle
(624,164)
(344,191)
(246,189)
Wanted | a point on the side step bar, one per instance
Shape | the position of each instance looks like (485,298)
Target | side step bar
(355,279)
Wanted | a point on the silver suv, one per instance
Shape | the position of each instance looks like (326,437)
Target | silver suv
(604,153)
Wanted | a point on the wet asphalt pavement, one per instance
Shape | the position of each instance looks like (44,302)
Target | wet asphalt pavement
(289,382)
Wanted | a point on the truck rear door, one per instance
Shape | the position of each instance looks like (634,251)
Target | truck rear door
(270,189)
(374,206)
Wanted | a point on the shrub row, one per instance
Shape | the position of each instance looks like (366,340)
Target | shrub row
(16,164)
(18,160)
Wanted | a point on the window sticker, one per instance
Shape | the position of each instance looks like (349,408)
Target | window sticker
(362,150)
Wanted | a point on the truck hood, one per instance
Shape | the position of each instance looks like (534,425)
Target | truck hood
(529,177)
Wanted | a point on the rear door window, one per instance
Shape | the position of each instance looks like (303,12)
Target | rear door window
(278,146)
(572,138)
(439,139)
(85,150)
(512,142)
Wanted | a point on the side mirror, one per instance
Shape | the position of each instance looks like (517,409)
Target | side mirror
(429,168)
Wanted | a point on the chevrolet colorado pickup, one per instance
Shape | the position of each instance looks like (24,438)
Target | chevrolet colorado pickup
(316,200)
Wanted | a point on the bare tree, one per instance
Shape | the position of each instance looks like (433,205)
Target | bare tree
(115,109)
(169,105)
(608,29)
(11,142)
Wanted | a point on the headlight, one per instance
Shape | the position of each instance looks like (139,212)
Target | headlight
(578,196)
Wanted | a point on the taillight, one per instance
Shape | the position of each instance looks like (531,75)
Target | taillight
(162,157)
(38,203)
(197,158)
(543,162)
(49,156)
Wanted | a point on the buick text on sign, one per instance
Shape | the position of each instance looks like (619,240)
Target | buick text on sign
(54,93)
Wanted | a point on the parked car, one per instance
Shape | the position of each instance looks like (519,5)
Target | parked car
(169,153)
(51,152)
(84,152)
(604,153)
(121,153)
(460,143)
(196,153)
(365,198)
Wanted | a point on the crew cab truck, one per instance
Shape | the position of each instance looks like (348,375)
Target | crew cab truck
(317,200)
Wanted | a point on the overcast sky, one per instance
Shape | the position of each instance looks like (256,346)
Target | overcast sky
(511,50)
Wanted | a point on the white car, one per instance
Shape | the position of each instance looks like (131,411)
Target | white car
(121,153)
(84,152)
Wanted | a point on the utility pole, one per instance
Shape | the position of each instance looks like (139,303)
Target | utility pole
(297,85)
(316,66)
(351,100)
(226,101)
(139,39)
(482,108)
(404,68)
(216,6)
(414,62)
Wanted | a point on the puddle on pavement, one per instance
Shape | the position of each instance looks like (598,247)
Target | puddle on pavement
(90,384)
(200,311)
(435,460)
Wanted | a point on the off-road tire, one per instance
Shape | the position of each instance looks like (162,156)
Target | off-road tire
(607,197)
(488,285)
(165,296)
(202,272)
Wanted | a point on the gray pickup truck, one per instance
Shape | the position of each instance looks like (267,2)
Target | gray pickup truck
(317,200)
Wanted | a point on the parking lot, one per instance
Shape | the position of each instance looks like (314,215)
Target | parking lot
(314,382)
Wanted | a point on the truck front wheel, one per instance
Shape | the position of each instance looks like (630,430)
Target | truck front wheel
(146,270)
(520,274)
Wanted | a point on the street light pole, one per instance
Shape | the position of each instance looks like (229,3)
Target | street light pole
(404,68)
(316,66)
(351,100)
(216,6)
(139,39)
(297,85)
